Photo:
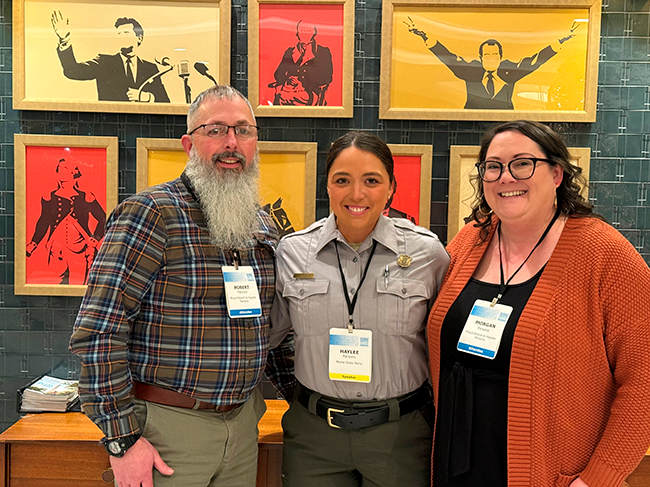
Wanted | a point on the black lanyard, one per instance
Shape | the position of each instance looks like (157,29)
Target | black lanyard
(502,286)
(351,304)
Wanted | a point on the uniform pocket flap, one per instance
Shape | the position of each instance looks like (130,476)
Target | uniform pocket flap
(404,288)
(304,288)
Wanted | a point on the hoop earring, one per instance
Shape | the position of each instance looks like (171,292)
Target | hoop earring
(483,213)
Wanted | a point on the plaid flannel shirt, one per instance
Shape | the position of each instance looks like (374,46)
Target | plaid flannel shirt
(155,311)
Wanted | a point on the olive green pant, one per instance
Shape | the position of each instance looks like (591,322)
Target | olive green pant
(393,454)
(205,448)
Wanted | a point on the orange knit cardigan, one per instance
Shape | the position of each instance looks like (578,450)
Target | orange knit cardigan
(579,385)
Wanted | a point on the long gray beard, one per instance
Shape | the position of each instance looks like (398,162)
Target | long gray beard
(229,200)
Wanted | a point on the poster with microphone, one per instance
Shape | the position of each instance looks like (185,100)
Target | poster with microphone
(116,56)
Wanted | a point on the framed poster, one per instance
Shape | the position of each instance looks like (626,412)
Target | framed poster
(150,56)
(300,57)
(462,171)
(158,161)
(288,176)
(65,187)
(490,60)
(412,200)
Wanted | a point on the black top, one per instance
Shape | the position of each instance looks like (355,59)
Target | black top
(471,436)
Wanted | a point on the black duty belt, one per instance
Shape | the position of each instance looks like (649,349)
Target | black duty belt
(351,415)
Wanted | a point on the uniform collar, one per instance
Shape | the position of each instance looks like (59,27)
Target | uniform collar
(383,233)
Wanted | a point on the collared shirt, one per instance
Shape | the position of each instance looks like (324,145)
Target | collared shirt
(498,82)
(394,306)
(155,310)
(134,65)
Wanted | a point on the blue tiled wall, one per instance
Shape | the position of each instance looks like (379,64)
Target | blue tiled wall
(34,330)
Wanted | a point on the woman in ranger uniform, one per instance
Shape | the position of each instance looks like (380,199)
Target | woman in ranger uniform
(356,288)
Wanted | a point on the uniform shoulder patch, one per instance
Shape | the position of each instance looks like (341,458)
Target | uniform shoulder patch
(408,225)
(311,228)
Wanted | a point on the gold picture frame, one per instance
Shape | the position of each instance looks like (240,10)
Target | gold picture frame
(176,49)
(462,168)
(288,176)
(540,63)
(74,178)
(328,85)
(413,194)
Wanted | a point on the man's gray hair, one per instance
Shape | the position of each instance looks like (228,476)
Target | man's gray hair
(217,92)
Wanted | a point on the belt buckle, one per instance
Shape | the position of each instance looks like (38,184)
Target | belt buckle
(329,416)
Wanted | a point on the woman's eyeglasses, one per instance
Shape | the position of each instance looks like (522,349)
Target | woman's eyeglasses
(520,168)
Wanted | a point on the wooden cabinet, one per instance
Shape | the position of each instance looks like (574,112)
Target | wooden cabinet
(59,450)
(269,459)
(53,450)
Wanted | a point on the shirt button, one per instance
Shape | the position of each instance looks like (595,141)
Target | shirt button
(359,394)
(355,259)
(403,291)
(352,291)
(302,291)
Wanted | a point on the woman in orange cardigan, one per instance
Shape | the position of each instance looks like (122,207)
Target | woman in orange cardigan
(539,336)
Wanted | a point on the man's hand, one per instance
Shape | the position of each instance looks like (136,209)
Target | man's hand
(31,246)
(61,28)
(571,35)
(135,469)
(413,28)
(562,40)
(136,95)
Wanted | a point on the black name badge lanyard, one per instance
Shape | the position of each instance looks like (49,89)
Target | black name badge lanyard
(352,304)
(504,285)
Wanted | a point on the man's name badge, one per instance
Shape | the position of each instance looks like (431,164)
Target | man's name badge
(350,355)
(242,296)
(484,328)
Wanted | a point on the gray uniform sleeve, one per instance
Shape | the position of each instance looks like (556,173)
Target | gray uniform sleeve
(280,317)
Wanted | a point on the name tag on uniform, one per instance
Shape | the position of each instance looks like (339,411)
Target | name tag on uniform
(484,328)
(242,296)
(350,355)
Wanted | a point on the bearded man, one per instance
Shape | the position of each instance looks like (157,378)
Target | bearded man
(173,330)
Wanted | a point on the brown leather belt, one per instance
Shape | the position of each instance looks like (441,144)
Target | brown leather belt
(159,395)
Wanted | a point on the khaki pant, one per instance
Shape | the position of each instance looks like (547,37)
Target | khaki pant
(393,454)
(205,448)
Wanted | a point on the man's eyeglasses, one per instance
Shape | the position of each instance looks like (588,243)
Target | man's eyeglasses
(520,168)
(219,130)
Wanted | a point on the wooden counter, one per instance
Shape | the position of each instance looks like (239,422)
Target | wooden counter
(59,450)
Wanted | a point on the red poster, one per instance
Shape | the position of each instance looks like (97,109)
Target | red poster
(65,212)
(301,54)
(406,202)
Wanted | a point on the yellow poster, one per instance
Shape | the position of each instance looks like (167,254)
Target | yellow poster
(287,183)
(489,58)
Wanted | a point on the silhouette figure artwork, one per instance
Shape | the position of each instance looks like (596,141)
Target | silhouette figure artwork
(280,217)
(123,76)
(490,79)
(305,71)
(391,212)
(70,226)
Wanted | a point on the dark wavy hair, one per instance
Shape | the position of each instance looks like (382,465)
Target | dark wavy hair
(569,200)
(137,27)
(368,142)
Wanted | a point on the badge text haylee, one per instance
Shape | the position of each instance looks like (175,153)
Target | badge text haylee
(345,350)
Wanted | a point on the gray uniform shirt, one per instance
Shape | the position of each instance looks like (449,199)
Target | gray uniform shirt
(394,308)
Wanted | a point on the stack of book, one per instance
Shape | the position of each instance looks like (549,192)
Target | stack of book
(49,394)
